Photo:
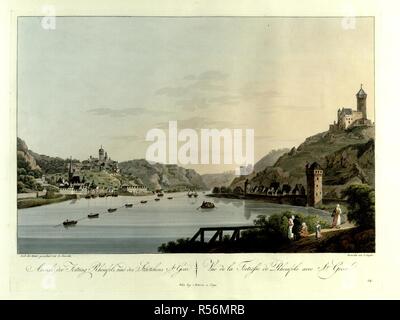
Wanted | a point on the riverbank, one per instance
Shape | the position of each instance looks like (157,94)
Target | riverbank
(295,200)
(41,201)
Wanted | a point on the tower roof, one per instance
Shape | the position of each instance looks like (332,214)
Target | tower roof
(315,166)
(361,92)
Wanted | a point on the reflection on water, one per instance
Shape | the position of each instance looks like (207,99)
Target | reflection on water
(140,229)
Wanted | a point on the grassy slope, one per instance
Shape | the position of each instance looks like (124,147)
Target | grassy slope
(317,147)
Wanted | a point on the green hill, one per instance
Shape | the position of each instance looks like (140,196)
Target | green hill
(346,156)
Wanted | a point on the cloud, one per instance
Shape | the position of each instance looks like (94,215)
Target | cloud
(195,84)
(197,123)
(279,108)
(200,91)
(116,113)
(190,77)
(125,112)
(172,91)
(202,102)
(207,75)
(264,137)
(212,75)
(126,138)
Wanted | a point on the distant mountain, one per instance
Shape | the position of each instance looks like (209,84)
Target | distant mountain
(269,159)
(162,176)
(212,180)
(346,156)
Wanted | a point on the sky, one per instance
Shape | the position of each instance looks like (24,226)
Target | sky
(107,81)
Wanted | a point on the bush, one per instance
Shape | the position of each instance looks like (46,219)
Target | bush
(216,190)
(361,200)
(52,188)
(20,187)
(51,195)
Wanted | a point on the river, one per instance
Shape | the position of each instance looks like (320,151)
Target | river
(140,229)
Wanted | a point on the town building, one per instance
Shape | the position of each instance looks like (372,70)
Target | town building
(134,188)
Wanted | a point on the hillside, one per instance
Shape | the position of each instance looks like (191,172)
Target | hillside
(24,155)
(27,169)
(346,157)
(32,165)
(161,176)
(212,180)
(269,159)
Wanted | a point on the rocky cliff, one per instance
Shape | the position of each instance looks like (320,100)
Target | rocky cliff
(161,176)
(24,155)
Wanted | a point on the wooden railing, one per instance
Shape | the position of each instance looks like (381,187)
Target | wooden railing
(219,233)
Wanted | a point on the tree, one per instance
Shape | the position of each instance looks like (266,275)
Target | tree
(361,200)
(216,190)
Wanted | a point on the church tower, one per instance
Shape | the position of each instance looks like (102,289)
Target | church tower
(70,173)
(314,184)
(362,102)
(101,153)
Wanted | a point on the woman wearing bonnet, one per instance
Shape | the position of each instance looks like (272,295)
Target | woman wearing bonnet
(336,217)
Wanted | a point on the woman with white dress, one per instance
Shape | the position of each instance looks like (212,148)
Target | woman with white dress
(290,229)
(336,217)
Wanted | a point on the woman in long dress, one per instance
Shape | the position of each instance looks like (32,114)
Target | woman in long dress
(304,230)
(318,231)
(290,229)
(336,217)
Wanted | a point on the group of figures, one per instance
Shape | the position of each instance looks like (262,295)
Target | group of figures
(298,229)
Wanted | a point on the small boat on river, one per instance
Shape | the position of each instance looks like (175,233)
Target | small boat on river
(169,198)
(157,199)
(128,205)
(112,210)
(143,201)
(160,194)
(70,222)
(93,215)
(207,205)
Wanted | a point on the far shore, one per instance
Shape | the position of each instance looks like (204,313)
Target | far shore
(35,202)
(327,203)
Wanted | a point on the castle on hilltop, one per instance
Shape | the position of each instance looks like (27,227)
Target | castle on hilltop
(102,163)
(348,118)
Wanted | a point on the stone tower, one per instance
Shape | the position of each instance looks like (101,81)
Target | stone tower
(314,184)
(362,102)
(101,153)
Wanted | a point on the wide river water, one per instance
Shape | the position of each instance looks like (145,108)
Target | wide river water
(140,229)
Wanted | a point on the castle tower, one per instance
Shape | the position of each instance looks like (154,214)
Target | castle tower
(314,184)
(101,154)
(362,102)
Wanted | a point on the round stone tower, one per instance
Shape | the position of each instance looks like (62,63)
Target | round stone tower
(314,184)
(362,102)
